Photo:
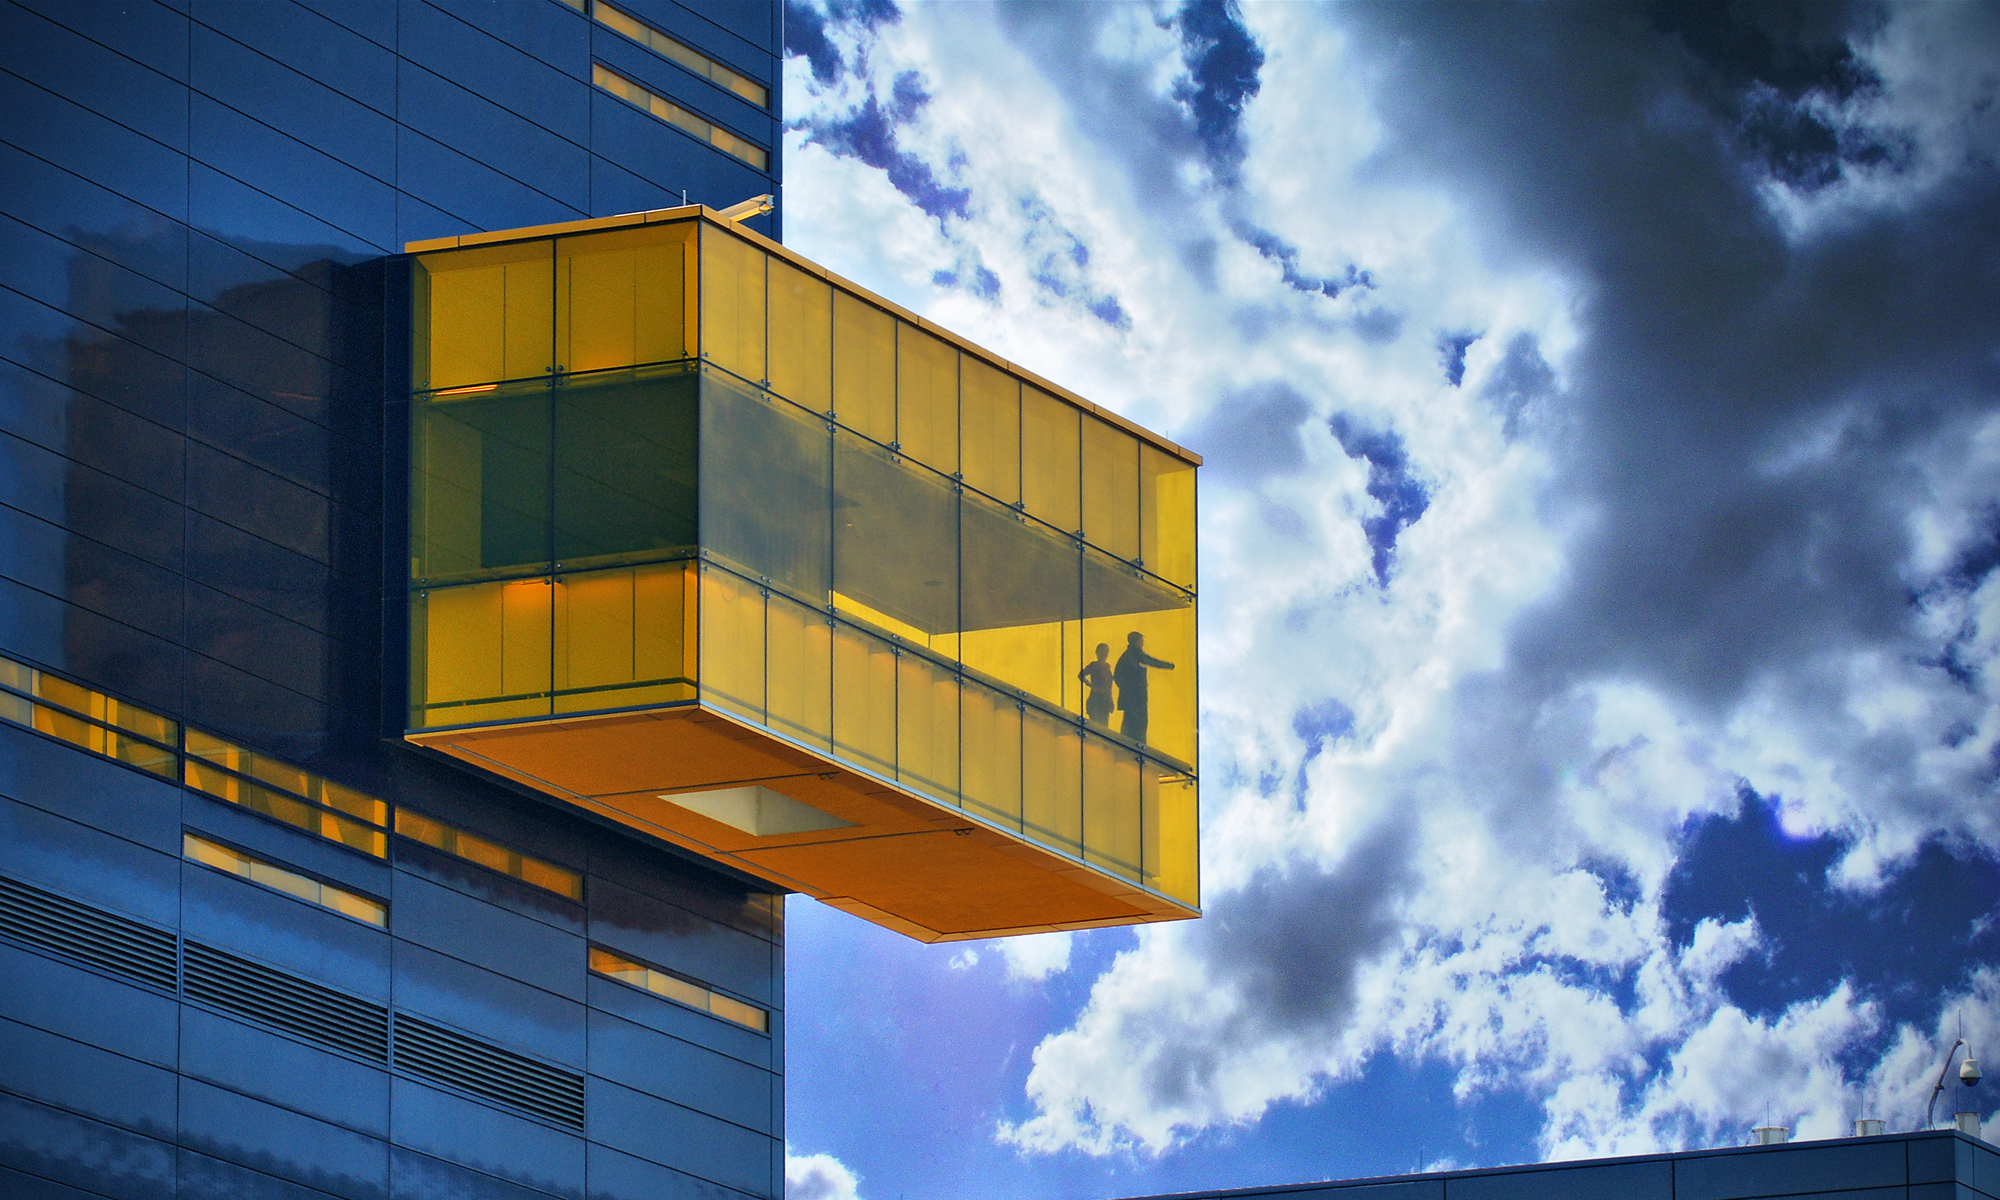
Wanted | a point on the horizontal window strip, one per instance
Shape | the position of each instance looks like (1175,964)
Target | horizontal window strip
(87,719)
(673,987)
(285,777)
(491,855)
(271,875)
(673,114)
(669,47)
(212,780)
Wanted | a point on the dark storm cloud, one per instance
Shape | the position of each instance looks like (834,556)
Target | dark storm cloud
(868,133)
(1714,347)
(1403,498)
(1522,378)
(1253,433)
(806,30)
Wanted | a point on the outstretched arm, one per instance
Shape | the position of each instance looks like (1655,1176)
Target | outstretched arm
(1150,661)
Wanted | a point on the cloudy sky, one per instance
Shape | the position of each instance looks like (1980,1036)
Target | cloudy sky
(1600,615)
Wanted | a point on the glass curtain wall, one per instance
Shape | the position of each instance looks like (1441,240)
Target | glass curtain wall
(919,563)
(553,477)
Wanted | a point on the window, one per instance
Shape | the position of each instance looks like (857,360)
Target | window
(256,870)
(286,793)
(680,52)
(86,719)
(491,855)
(673,987)
(673,114)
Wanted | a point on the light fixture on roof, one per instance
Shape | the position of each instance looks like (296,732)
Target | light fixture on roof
(755,206)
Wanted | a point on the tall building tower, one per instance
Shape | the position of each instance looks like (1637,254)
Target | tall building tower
(455,581)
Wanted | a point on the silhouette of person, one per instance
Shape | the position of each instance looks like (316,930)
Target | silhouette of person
(1131,676)
(1097,677)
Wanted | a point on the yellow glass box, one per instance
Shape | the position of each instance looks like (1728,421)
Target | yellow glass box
(714,543)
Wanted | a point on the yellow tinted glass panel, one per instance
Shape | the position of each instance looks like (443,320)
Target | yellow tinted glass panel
(990,429)
(927,398)
(1110,488)
(1172,850)
(1019,603)
(732,304)
(1147,629)
(473,848)
(990,726)
(927,726)
(622,296)
(1166,516)
(1111,818)
(801,333)
(864,700)
(1050,433)
(737,1011)
(798,676)
(732,643)
(766,488)
(1052,781)
(485,314)
(864,368)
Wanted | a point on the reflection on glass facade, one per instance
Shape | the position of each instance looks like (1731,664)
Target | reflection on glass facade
(671,465)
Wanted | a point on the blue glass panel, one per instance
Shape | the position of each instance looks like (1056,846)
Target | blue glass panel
(261,643)
(288,934)
(617,1176)
(655,150)
(614,190)
(558,36)
(150,33)
(495,137)
(554,97)
(265,227)
(102,221)
(486,1139)
(69,1074)
(205,1178)
(292,103)
(1773,1171)
(503,891)
(1617,1181)
(261,433)
(505,1012)
(81,825)
(1985,1165)
(69,494)
(663,877)
(297,302)
(269,576)
(71,1149)
(653,1012)
(681,941)
(92,289)
(70,65)
(51,994)
(341,45)
(95,649)
(18,1185)
(290,1145)
(272,1067)
(492,937)
(277,510)
(253,710)
(293,172)
(55,417)
(648,1061)
(284,844)
(737,34)
(267,366)
(677,1137)
(1932,1159)
(413,1174)
(41,339)
(100,150)
(696,93)
(443,177)
(89,573)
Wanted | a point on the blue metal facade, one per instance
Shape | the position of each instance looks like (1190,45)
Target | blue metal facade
(1935,1165)
(197,309)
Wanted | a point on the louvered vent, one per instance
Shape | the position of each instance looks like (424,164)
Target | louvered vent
(484,1070)
(102,939)
(295,1005)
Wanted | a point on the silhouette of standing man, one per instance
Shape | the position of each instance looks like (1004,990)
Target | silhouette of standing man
(1131,676)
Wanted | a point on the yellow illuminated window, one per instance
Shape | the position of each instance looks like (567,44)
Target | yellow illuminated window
(680,52)
(87,719)
(658,982)
(277,878)
(491,855)
(213,781)
(673,114)
(265,769)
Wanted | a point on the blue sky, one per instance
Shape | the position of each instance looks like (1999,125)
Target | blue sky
(1599,609)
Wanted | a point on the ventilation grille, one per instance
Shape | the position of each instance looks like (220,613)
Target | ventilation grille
(451,1057)
(102,939)
(295,1005)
